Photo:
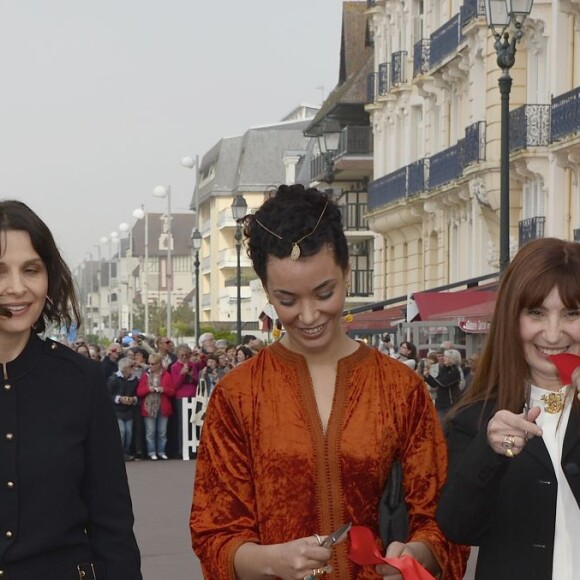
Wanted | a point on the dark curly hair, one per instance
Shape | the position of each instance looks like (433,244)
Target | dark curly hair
(61,306)
(292,212)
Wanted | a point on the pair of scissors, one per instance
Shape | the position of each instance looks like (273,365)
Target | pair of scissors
(328,542)
(331,539)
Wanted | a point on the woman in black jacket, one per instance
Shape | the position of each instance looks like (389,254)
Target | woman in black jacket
(446,383)
(64,500)
(513,486)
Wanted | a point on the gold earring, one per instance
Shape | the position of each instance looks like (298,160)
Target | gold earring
(276,332)
(348,317)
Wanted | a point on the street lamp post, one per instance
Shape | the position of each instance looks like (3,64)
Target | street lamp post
(500,15)
(165,191)
(239,209)
(196,245)
(140,214)
(99,319)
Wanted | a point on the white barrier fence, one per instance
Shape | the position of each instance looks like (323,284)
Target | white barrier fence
(188,428)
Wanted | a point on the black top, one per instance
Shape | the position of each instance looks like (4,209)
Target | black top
(64,496)
(505,506)
(447,385)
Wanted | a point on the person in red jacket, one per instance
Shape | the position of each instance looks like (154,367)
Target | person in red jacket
(156,387)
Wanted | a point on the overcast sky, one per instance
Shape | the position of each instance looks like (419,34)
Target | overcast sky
(100,99)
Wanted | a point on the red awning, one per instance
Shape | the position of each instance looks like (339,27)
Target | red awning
(454,305)
(376,320)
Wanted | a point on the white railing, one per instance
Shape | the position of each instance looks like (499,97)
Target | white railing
(189,437)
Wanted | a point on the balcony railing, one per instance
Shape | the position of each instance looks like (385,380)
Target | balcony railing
(444,41)
(417,177)
(355,141)
(474,145)
(384,78)
(352,216)
(388,188)
(361,282)
(531,229)
(446,165)
(530,126)
(421,52)
(398,67)
(566,114)
(470,10)
(372,86)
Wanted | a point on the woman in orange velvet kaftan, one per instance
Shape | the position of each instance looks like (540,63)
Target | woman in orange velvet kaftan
(299,440)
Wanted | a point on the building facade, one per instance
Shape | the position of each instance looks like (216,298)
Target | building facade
(434,104)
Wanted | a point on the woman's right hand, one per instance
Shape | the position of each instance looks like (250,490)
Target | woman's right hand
(505,426)
(292,560)
(296,559)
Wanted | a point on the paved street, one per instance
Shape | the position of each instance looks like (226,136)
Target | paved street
(161,494)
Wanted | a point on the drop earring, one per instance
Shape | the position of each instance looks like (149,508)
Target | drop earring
(348,317)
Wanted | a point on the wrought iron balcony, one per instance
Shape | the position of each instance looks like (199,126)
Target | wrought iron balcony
(530,126)
(352,216)
(565,114)
(471,10)
(384,78)
(474,145)
(372,85)
(531,229)
(319,166)
(417,177)
(445,41)
(388,188)
(446,165)
(355,141)
(421,52)
(398,70)
(361,282)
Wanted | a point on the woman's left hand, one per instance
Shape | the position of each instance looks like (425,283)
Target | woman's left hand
(417,550)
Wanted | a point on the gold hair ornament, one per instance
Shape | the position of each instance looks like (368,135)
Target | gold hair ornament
(295,253)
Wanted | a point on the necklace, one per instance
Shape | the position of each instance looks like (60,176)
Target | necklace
(553,402)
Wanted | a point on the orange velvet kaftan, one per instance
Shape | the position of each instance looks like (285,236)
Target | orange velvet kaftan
(268,473)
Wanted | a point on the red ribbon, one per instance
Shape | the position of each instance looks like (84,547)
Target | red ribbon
(364,552)
(566,364)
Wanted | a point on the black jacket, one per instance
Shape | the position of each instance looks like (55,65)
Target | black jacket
(505,506)
(447,385)
(64,497)
(119,386)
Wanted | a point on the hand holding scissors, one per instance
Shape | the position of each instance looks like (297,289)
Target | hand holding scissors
(327,542)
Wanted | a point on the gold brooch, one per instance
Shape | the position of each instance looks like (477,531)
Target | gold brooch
(553,402)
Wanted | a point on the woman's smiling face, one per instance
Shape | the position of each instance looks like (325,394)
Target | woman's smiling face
(23,283)
(551,328)
(308,295)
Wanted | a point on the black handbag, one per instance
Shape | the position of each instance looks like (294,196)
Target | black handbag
(393,516)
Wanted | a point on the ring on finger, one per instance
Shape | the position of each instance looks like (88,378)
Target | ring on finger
(509,441)
(318,539)
(509,453)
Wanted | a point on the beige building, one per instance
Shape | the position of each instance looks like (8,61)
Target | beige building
(434,105)
(249,165)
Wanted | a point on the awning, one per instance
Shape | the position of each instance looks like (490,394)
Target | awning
(454,305)
(376,321)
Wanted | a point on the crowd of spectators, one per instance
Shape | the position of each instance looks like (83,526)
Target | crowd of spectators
(149,379)
(447,375)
